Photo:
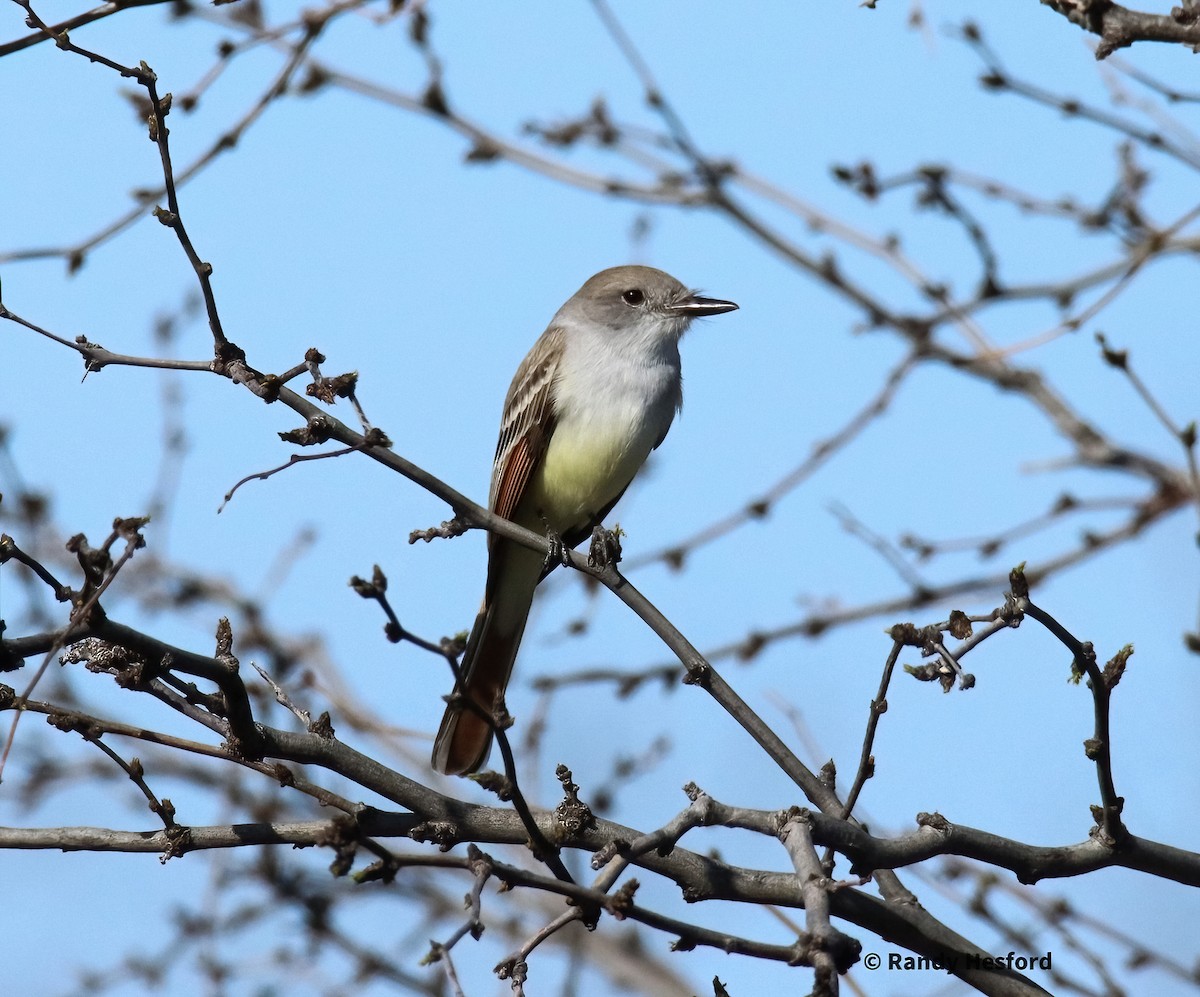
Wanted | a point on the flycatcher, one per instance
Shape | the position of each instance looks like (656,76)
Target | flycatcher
(595,395)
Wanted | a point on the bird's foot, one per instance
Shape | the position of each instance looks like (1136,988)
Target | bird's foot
(605,548)
(558,552)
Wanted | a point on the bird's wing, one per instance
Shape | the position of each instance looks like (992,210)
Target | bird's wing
(527,423)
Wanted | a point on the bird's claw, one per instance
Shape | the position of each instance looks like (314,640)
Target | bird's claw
(557,554)
(605,548)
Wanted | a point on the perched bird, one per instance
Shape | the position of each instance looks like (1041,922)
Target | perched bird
(594,396)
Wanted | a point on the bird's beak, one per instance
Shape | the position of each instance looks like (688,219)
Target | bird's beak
(694,306)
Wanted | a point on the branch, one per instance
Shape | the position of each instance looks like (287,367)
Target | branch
(1119,26)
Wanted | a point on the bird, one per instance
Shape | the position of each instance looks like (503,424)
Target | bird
(593,397)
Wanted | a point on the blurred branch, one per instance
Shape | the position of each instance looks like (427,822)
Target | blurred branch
(998,79)
(1186,436)
(762,506)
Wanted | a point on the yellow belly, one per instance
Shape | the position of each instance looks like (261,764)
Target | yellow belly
(579,477)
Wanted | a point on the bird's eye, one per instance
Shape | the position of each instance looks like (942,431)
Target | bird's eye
(634,297)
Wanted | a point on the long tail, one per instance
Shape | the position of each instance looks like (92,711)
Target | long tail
(465,738)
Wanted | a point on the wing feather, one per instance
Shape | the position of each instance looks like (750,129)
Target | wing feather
(527,423)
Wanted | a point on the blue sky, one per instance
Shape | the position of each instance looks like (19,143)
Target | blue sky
(347,225)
